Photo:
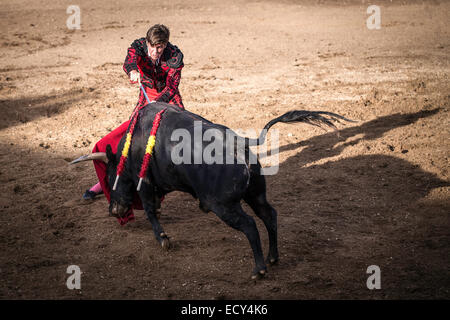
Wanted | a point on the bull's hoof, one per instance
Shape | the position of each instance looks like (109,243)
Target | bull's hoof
(165,244)
(259,275)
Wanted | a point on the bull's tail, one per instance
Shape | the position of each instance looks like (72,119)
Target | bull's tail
(316,118)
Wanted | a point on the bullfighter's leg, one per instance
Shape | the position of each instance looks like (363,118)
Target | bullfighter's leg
(255,197)
(236,218)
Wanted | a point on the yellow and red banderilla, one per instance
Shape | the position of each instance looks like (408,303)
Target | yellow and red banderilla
(149,149)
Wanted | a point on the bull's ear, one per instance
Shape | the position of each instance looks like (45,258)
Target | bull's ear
(111,156)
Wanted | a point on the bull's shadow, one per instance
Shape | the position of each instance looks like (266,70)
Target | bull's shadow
(346,214)
(326,145)
(15,111)
(340,217)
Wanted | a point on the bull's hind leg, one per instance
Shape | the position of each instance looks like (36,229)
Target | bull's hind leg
(255,197)
(236,218)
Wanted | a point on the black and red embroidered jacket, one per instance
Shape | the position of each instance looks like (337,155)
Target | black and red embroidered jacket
(164,77)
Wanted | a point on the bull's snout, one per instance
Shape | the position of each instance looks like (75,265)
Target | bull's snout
(117,210)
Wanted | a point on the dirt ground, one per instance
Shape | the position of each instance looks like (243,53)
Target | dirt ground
(378,195)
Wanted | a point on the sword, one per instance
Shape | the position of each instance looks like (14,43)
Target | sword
(145,93)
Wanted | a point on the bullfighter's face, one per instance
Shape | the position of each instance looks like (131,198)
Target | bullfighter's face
(155,52)
(121,199)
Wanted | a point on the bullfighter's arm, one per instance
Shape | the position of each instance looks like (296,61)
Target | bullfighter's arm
(136,49)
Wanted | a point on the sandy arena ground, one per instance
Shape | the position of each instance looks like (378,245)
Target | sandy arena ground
(378,195)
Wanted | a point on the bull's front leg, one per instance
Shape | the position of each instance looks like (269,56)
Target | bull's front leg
(151,210)
(157,206)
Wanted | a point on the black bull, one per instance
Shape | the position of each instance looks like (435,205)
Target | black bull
(219,187)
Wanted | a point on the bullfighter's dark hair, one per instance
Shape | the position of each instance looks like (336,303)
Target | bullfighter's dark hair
(158,34)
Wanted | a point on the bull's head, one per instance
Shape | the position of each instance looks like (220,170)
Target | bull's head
(121,198)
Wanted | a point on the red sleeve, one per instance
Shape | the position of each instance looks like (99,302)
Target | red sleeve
(172,82)
(130,61)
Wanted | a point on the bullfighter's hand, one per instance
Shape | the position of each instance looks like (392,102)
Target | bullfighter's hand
(135,77)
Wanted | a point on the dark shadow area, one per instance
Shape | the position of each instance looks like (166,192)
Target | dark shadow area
(22,110)
(355,212)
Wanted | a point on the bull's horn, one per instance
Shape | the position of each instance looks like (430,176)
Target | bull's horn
(93,156)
